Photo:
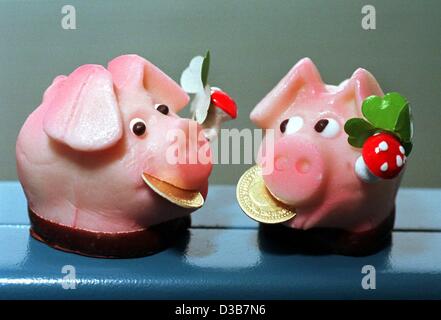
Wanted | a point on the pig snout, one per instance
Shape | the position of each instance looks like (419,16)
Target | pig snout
(182,154)
(298,171)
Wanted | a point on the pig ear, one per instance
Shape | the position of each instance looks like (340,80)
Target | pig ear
(51,92)
(303,76)
(361,85)
(132,72)
(82,110)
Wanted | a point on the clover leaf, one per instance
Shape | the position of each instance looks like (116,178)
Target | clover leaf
(407,147)
(205,68)
(403,126)
(383,112)
(358,131)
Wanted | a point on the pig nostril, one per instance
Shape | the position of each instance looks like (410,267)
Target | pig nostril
(281,163)
(303,166)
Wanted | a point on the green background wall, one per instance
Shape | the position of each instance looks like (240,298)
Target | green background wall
(253,44)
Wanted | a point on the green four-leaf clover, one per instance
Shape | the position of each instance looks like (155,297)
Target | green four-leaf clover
(390,113)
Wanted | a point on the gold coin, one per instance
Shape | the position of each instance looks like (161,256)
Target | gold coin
(184,198)
(256,200)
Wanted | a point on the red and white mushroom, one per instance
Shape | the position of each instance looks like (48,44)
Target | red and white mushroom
(222,108)
(223,101)
(210,106)
(383,156)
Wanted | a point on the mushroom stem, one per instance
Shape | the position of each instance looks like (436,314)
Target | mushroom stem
(212,124)
(363,172)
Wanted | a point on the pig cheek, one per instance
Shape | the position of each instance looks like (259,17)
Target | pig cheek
(135,159)
(298,171)
(265,156)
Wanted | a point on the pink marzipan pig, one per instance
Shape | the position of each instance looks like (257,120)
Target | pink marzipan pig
(81,154)
(314,165)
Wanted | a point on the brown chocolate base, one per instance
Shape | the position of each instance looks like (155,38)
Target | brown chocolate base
(277,237)
(107,245)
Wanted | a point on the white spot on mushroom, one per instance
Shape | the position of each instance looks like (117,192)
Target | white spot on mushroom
(401,149)
(377,150)
(384,167)
(383,146)
(399,161)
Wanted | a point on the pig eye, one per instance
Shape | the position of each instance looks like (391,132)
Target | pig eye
(162,108)
(138,126)
(328,128)
(291,125)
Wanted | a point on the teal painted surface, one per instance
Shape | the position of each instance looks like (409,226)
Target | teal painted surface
(253,44)
(224,256)
(417,209)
